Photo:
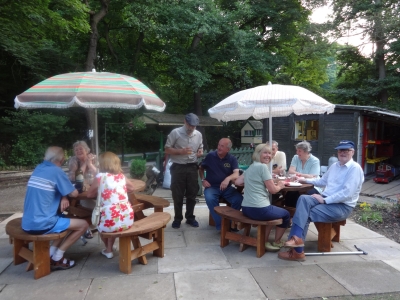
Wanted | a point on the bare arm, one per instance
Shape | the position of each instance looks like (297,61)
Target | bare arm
(272,188)
(240,180)
(173,151)
(92,192)
(130,186)
(204,182)
(292,170)
(227,181)
(74,193)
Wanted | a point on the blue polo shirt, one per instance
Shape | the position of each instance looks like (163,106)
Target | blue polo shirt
(46,186)
(218,168)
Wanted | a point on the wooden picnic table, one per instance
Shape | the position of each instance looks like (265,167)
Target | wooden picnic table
(138,201)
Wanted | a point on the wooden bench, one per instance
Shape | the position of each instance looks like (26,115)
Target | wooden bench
(222,201)
(229,214)
(39,257)
(151,227)
(328,232)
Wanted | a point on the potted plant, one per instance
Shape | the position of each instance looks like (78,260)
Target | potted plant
(138,168)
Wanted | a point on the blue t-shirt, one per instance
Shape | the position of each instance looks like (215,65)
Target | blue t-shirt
(46,186)
(218,168)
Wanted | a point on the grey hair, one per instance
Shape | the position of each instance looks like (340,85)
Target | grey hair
(273,142)
(229,144)
(305,146)
(54,154)
(83,144)
(257,152)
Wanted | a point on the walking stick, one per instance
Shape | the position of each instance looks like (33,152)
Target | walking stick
(358,252)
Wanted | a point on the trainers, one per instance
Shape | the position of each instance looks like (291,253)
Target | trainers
(280,245)
(176,224)
(271,248)
(192,223)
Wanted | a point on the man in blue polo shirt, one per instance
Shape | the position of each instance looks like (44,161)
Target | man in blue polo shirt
(222,169)
(45,200)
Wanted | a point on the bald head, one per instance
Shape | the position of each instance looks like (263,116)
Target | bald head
(224,146)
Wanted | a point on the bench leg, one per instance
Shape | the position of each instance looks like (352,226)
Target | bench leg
(41,258)
(324,236)
(336,229)
(261,240)
(210,220)
(246,232)
(160,241)
(125,262)
(137,246)
(225,224)
(18,245)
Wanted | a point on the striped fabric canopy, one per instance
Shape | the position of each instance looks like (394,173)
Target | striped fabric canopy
(90,90)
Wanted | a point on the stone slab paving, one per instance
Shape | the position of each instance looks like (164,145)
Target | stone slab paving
(217,284)
(377,249)
(196,267)
(395,263)
(60,290)
(148,287)
(365,277)
(193,259)
(296,282)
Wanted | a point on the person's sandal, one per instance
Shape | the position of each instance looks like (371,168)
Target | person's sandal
(88,234)
(62,264)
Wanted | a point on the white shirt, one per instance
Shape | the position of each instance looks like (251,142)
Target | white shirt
(179,139)
(342,183)
(279,159)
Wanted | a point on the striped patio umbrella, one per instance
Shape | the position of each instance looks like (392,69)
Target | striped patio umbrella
(90,90)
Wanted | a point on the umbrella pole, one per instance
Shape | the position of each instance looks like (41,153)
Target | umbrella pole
(96,132)
(270,133)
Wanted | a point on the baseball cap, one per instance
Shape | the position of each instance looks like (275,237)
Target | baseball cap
(344,144)
(192,119)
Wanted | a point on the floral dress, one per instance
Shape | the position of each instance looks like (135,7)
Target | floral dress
(116,213)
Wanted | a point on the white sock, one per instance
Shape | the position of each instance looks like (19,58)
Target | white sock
(52,250)
(58,255)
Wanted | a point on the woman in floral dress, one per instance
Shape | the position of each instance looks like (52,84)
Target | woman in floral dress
(116,212)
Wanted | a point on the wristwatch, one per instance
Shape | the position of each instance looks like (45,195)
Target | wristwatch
(203,179)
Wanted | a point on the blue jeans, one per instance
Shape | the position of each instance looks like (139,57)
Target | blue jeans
(230,194)
(268,213)
(309,210)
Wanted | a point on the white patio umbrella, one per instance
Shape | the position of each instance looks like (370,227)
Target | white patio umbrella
(267,101)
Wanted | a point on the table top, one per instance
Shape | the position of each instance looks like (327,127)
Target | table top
(304,186)
(139,185)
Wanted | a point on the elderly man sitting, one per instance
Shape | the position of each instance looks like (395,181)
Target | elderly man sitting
(222,168)
(342,182)
(45,196)
(278,159)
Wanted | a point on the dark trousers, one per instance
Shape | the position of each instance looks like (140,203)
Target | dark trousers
(184,183)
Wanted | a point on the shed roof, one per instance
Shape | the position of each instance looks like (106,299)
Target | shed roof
(163,119)
(373,111)
(256,124)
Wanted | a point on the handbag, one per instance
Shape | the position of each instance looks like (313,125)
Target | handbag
(96,209)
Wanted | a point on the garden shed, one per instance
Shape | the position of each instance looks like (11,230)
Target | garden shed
(375,131)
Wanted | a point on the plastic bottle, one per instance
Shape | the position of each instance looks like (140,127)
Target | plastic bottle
(79,178)
(332,160)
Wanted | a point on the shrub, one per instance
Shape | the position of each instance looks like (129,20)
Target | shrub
(138,168)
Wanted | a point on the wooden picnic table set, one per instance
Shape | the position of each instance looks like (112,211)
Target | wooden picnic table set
(327,232)
(149,227)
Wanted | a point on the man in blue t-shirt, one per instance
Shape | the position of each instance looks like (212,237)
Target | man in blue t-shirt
(221,170)
(46,194)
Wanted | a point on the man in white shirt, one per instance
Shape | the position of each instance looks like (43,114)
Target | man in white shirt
(343,182)
(278,159)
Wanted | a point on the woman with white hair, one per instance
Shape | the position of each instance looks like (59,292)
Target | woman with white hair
(303,164)
(86,161)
